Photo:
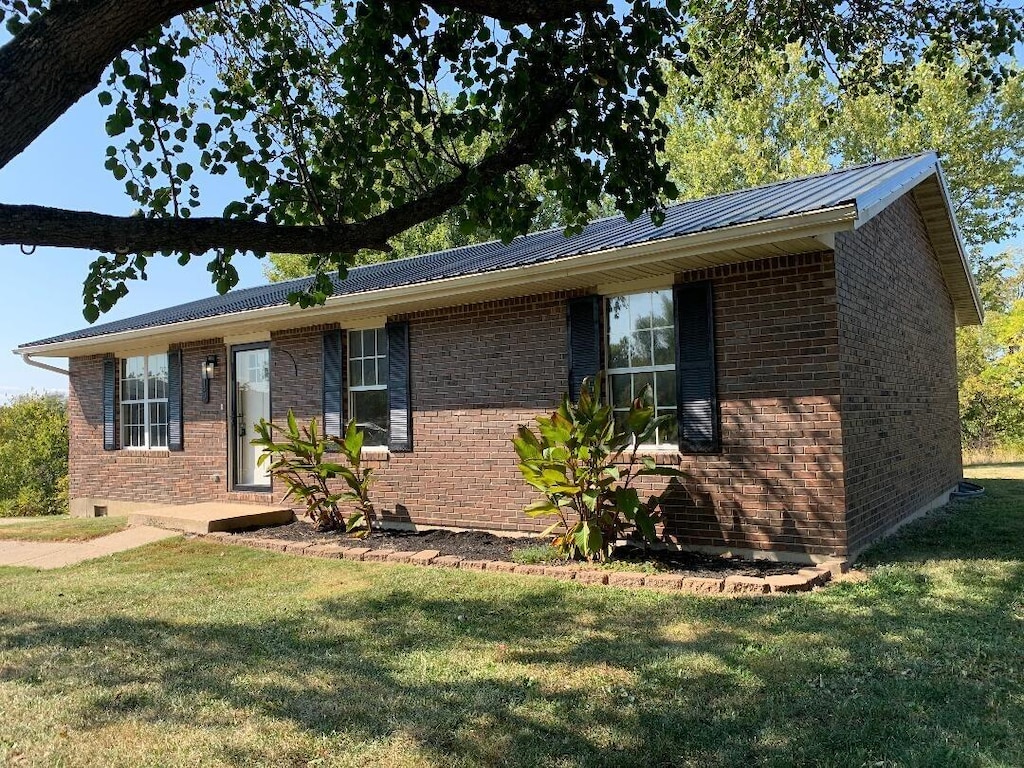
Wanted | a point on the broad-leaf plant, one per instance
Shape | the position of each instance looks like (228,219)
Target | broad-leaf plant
(586,462)
(302,459)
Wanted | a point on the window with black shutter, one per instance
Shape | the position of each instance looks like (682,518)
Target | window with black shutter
(699,421)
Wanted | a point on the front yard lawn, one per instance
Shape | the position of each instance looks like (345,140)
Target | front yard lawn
(63,528)
(189,653)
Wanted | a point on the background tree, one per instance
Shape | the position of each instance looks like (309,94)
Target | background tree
(34,455)
(779,122)
(990,361)
(313,105)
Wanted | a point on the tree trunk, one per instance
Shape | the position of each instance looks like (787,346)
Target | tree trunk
(62,55)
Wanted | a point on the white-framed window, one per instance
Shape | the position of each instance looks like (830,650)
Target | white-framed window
(368,383)
(144,401)
(641,352)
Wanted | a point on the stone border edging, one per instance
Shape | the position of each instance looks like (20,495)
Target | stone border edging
(804,580)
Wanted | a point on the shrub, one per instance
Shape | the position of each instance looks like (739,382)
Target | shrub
(572,461)
(34,455)
(298,461)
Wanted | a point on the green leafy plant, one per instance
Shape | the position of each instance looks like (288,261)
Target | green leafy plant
(34,455)
(300,458)
(576,460)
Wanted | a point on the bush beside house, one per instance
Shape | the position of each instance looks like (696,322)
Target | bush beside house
(34,455)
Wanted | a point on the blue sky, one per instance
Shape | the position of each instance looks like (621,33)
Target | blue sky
(64,168)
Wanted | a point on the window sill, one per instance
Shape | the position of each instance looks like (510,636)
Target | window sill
(378,453)
(662,454)
(142,455)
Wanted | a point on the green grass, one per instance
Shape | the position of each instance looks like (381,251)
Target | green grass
(186,653)
(63,528)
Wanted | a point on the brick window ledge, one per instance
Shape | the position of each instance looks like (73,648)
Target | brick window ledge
(141,456)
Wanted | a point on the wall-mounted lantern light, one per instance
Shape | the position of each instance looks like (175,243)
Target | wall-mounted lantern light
(209,368)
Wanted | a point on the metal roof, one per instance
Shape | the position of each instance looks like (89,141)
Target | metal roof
(868,186)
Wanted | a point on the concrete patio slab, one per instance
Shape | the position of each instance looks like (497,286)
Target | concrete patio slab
(57,554)
(211,516)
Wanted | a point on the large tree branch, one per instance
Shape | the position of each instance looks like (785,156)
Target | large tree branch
(61,56)
(35,225)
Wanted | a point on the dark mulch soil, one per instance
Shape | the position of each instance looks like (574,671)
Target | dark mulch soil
(477,545)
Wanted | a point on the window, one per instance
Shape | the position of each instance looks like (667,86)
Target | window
(144,401)
(642,352)
(368,383)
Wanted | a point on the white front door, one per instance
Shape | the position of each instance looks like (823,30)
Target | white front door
(251,403)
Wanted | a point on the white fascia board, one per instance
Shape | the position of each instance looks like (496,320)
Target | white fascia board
(376,303)
(958,237)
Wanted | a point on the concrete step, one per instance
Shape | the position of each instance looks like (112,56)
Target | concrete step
(207,517)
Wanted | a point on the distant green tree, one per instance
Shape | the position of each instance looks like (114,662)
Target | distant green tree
(778,121)
(990,360)
(34,455)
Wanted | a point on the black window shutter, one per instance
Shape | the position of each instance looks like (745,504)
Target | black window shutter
(699,423)
(175,415)
(109,405)
(585,345)
(332,383)
(399,394)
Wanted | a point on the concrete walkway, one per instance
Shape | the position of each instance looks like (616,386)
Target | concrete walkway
(57,554)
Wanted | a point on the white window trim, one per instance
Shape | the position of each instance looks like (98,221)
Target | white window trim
(368,449)
(145,402)
(638,288)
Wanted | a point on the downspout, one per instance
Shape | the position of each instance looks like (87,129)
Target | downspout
(27,358)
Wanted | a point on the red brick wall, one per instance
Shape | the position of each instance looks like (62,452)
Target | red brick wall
(901,433)
(197,473)
(479,371)
(777,484)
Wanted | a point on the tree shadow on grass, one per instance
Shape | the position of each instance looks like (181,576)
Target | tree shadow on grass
(541,673)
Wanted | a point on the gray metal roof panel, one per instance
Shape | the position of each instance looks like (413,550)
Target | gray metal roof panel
(790,197)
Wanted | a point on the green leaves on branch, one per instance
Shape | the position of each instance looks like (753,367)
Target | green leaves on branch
(584,461)
(300,457)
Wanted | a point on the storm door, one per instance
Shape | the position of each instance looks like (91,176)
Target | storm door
(251,402)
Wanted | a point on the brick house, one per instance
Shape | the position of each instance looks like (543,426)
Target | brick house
(803,333)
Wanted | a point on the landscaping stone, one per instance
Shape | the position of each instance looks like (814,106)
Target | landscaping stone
(664,581)
(447,561)
(745,585)
(424,557)
(624,579)
(818,577)
(531,570)
(560,572)
(701,585)
(803,581)
(378,555)
(836,567)
(325,550)
(790,583)
(354,553)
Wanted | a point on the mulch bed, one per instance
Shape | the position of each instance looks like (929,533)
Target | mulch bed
(478,545)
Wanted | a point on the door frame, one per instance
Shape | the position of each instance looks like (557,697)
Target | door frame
(233,415)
